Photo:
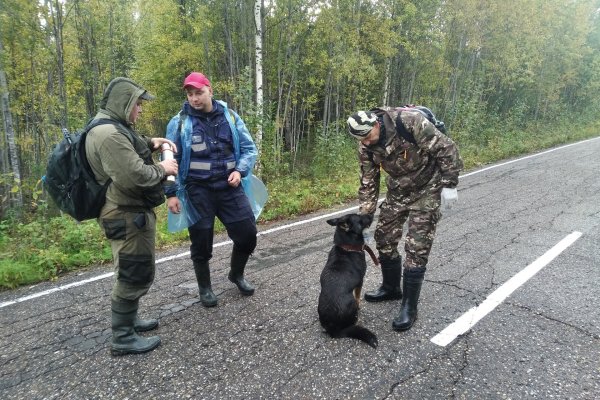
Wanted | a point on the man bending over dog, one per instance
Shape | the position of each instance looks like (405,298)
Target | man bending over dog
(422,165)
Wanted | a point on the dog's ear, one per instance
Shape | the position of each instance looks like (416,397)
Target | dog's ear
(366,219)
(333,221)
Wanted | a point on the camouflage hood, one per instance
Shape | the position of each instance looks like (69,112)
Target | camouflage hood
(417,171)
(119,98)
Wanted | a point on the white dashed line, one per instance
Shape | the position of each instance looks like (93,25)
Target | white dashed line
(471,317)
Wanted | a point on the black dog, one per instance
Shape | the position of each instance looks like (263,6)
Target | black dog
(342,279)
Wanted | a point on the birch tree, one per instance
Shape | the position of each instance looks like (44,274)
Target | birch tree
(56,17)
(259,78)
(10,133)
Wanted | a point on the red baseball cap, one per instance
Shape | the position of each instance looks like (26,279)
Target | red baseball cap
(197,80)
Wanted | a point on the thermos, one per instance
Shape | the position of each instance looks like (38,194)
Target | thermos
(167,154)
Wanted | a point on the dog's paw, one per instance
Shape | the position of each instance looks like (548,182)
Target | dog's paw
(373,342)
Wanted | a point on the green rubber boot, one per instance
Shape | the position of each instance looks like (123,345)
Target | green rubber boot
(125,340)
(144,325)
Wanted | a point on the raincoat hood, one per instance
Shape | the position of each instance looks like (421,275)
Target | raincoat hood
(120,97)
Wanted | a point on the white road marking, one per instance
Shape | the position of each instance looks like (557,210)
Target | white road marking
(162,260)
(471,317)
(56,289)
(184,254)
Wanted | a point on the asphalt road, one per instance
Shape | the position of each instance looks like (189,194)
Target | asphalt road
(539,339)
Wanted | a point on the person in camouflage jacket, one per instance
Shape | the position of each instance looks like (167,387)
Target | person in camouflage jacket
(422,166)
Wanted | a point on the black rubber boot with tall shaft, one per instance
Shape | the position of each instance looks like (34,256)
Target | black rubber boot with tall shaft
(413,280)
(207,297)
(125,340)
(391,271)
(236,274)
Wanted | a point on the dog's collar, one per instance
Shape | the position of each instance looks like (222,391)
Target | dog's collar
(359,248)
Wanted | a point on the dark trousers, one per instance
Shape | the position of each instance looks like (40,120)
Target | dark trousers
(232,208)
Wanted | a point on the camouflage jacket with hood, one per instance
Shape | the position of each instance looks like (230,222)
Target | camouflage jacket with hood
(417,172)
(119,153)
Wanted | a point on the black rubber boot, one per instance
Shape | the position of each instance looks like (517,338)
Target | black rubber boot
(391,271)
(413,280)
(207,297)
(236,274)
(125,340)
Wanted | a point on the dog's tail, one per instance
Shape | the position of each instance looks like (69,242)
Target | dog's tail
(360,333)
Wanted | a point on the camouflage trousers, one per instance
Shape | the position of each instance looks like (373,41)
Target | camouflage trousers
(422,214)
(132,239)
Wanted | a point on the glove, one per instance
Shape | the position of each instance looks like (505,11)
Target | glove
(449,198)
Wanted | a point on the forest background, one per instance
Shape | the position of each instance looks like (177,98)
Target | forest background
(507,77)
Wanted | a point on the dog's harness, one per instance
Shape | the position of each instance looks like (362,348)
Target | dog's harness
(360,248)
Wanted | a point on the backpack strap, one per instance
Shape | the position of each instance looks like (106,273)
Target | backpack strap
(91,125)
(402,131)
(105,121)
(95,122)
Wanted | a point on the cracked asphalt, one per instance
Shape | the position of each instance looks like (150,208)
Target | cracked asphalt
(542,342)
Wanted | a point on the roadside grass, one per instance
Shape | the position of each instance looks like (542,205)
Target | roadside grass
(47,246)
(50,245)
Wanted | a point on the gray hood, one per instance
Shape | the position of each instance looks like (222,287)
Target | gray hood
(119,98)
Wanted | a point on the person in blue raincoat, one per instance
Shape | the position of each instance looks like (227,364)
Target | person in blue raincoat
(216,157)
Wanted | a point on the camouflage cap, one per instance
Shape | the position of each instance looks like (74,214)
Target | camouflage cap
(361,123)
